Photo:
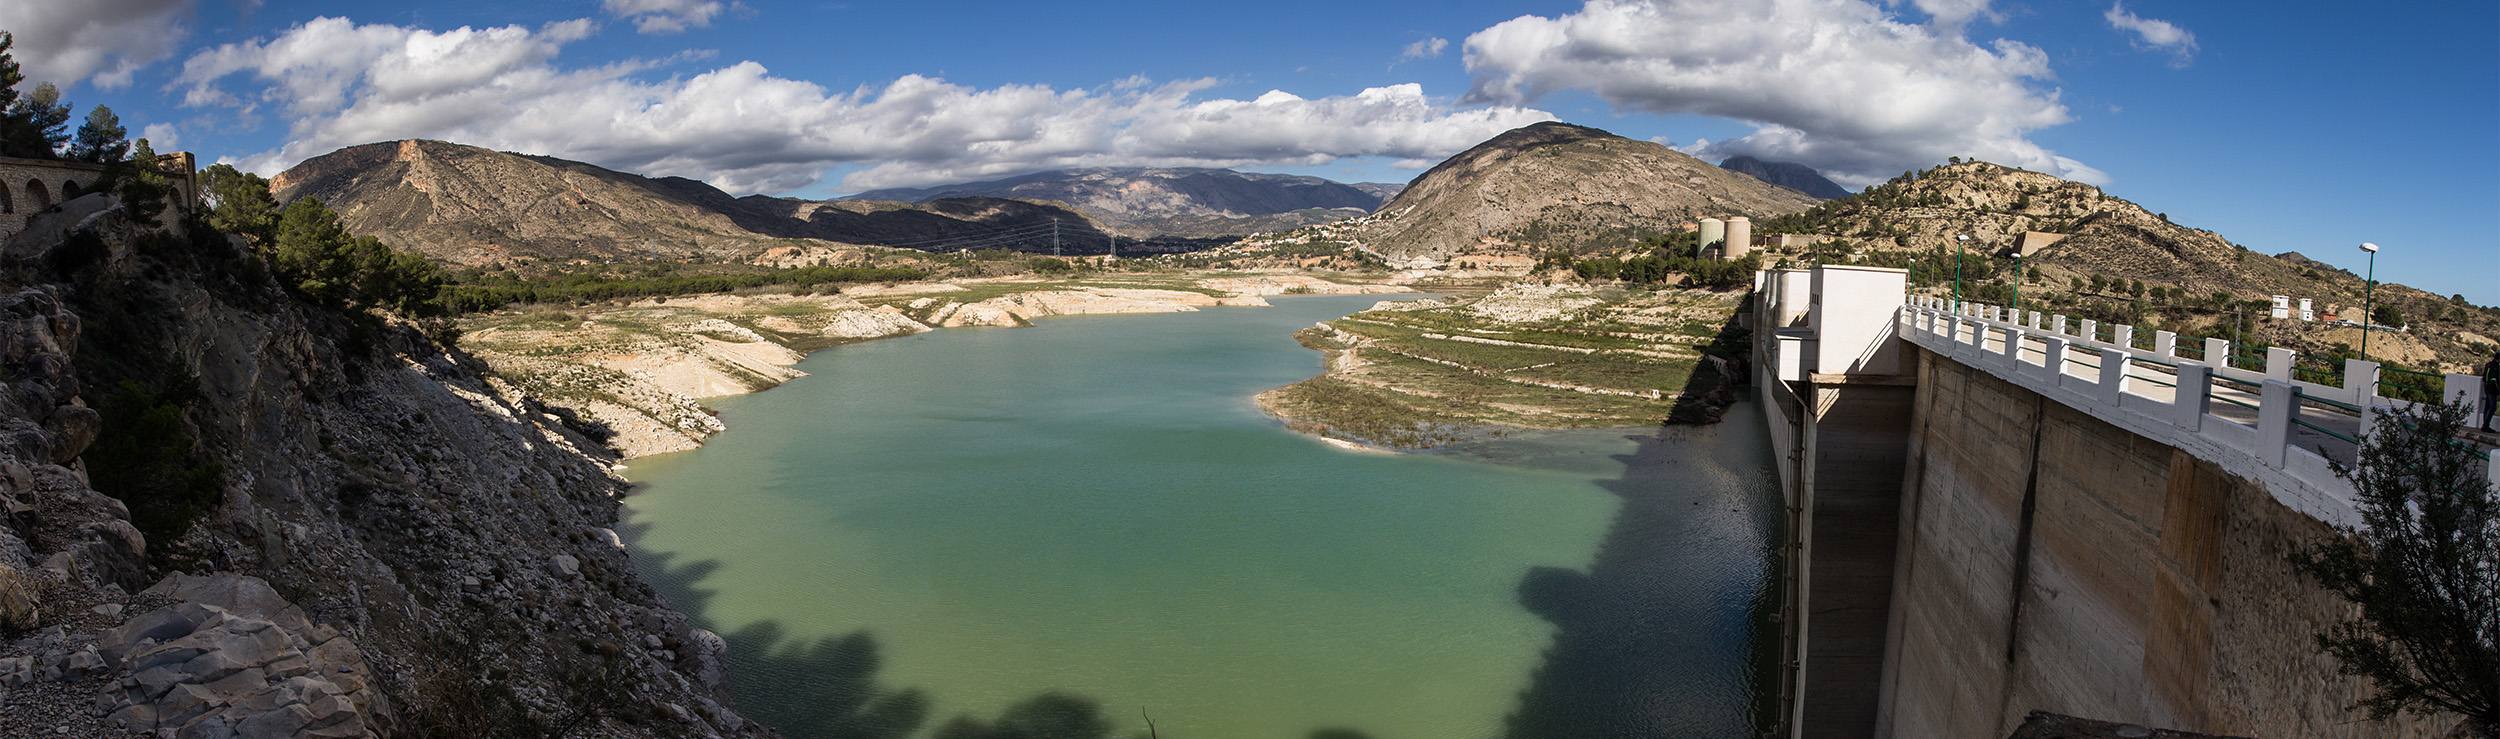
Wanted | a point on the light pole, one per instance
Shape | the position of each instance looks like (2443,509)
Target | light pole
(2369,285)
(1961,243)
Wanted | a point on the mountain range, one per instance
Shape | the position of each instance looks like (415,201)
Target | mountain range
(471,206)
(1790,175)
(1172,201)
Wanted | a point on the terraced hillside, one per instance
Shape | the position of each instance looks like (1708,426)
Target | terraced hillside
(1425,373)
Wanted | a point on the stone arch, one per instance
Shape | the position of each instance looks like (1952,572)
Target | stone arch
(70,190)
(38,197)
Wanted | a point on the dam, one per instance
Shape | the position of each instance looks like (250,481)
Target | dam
(1992,513)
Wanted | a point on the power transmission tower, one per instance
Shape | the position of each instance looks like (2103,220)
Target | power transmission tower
(1054,237)
(1115,246)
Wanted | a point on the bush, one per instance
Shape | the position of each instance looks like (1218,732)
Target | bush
(1716,274)
(481,293)
(2424,572)
(146,457)
(314,254)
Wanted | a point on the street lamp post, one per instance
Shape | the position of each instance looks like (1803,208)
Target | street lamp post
(1961,243)
(2369,285)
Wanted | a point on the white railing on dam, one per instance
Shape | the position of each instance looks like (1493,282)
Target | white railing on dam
(2265,425)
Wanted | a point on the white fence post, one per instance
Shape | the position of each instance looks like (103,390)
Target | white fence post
(2277,403)
(2194,396)
(2113,374)
(2466,389)
(2166,344)
(2122,335)
(2091,330)
(2279,363)
(2035,320)
(2055,361)
(2217,353)
(2360,379)
(2014,348)
(2058,324)
(2365,397)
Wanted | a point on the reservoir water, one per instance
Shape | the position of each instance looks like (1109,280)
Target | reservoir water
(956,523)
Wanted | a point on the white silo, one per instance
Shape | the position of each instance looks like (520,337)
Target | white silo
(1739,238)
(1712,231)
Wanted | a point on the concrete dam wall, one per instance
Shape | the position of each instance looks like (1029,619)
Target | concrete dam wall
(2049,560)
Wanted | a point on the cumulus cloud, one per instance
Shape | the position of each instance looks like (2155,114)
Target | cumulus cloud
(1835,84)
(162,137)
(98,41)
(746,130)
(1429,48)
(665,16)
(2153,34)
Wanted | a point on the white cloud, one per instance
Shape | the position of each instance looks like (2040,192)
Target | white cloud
(66,42)
(162,137)
(2153,34)
(1429,48)
(746,130)
(1835,84)
(665,16)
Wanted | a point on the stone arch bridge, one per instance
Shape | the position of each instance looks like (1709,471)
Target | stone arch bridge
(29,187)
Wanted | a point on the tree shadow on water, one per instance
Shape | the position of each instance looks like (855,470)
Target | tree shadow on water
(1627,639)
(827,688)
(821,688)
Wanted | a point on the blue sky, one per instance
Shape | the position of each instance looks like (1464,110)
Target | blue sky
(2307,126)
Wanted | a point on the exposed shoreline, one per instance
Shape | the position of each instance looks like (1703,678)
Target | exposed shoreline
(638,373)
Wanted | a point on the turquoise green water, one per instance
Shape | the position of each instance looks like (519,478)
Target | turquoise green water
(1094,507)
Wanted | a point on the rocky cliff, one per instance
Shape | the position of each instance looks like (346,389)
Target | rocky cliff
(1178,201)
(1560,186)
(229,512)
(471,206)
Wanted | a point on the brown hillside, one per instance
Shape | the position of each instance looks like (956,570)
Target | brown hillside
(1555,185)
(471,206)
(2204,281)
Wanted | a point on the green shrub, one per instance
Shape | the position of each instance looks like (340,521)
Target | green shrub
(146,457)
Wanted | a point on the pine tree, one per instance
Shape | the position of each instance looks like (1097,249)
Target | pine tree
(101,139)
(309,248)
(9,74)
(37,124)
(240,203)
(143,189)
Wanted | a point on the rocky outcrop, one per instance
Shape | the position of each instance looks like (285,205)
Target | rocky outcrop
(369,523)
